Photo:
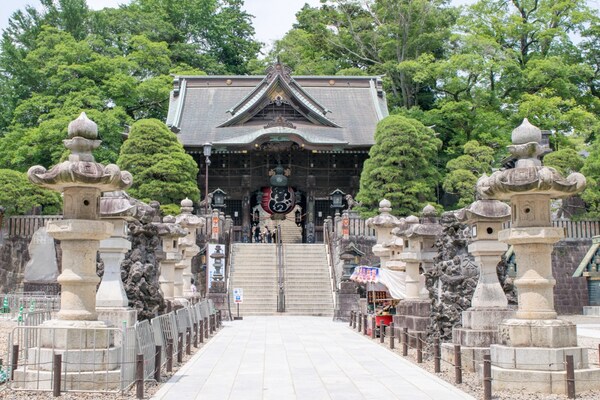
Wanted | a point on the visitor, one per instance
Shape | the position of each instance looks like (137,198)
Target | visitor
(257,234)
(274,235)
(193,287)
(268,234)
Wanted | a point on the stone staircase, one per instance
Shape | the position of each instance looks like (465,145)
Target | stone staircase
(254,269)
(290,232)
(307,283)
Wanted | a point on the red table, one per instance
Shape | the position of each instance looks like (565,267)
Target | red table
(385,319)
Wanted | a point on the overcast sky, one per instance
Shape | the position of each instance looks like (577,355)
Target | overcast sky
(272,18)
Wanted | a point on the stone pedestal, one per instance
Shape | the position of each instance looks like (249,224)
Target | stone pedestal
(188,247)
(170,233)
(111,292)
(348,300)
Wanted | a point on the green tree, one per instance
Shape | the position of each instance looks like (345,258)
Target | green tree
(465,170)
(20,196)
(401,167)
(565,160)
(161,169)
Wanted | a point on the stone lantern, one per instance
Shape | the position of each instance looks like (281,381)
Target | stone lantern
(217,277)
(489,305)
(188,247)
(383,225)
(419,249)
(170,233)
(533,345)
(81,180)
(348,297)
(350,257)
(111,300)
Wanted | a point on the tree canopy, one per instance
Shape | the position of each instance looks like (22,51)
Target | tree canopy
(19,196)
(161,169)
(401,167)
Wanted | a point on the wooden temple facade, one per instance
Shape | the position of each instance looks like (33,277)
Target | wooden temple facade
(304,135)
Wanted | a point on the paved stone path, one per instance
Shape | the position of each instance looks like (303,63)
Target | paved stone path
(287,358)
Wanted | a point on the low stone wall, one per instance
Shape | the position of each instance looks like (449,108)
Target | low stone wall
(570,294)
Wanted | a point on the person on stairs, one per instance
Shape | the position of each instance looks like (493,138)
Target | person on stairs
(257,234)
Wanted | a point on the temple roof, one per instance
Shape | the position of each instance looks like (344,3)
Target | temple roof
(337,111)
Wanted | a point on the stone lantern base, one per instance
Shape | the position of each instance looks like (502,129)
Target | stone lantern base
(347,301)
(91,357)
(414,315)
(479,330)
(518,365)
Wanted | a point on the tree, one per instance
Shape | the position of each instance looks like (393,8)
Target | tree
(19,196)
(465,170)
(401,167)
(565,160)
(161,169)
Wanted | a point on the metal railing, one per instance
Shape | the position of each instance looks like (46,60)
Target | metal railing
(332,273)
(280,273)
(100,359)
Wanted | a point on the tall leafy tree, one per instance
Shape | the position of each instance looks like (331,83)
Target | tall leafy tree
(401,167)
(19,196)
(161,169)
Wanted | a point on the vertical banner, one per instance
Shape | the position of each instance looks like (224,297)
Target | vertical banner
(215,227)
(346,226)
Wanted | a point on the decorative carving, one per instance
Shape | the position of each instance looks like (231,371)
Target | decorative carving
(278,70)
(280,121)
(351,202)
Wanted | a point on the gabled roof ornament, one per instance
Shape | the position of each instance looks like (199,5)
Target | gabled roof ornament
(278,69)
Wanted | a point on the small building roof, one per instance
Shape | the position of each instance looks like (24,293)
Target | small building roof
(338,111)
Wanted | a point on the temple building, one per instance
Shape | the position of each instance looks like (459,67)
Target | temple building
(279,144)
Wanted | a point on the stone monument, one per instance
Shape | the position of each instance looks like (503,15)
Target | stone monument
(489,305)
(81,180)
(41,270)
(419,250)
(533,345)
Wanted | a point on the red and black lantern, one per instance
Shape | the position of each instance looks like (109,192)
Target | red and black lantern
(278,199)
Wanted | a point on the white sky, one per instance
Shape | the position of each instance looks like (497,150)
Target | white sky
(272,18)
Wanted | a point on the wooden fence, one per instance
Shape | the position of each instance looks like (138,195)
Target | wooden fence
(25,225)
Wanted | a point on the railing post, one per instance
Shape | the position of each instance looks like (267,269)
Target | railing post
(360,318)
(373,327)
(139,376)
(487,377)
(436,355)
(381,333)
(157,362)
(405,342)
(351,317)
(419,347)
(195,329)
(570,377)
(56,374)
(15,361)
(457,364)
(206,327)
(201,329)
(179,348)
(188,341)
(169,355)
(392,333)
(365,322)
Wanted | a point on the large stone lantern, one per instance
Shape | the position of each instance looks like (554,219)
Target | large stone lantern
(383,225)
(533,345)
(170,234)
(81,180)
(77,329)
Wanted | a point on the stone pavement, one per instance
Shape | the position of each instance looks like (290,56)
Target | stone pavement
(293,357)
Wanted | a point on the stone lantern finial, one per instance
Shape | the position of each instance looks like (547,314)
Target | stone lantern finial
(385,206)
(526,133)
(187,206)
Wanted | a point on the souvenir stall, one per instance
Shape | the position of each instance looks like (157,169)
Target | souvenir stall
(385,289)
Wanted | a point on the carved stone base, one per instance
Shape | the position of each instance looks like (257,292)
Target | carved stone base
(220,302)
(535,369)
(117,316)
(552,333)
(347,302)
(414,315)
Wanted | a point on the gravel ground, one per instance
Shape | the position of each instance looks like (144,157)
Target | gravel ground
(471,383)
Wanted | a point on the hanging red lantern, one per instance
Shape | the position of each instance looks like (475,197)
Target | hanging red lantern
(278,199)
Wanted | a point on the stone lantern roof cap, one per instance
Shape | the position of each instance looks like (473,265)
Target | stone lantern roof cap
(528,176)
(384,219)
(120,204)
(428,227)
(526,133)
(81,169)
(169,228)
(485,210)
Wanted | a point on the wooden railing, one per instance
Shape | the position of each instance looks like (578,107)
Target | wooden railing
(25,225)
